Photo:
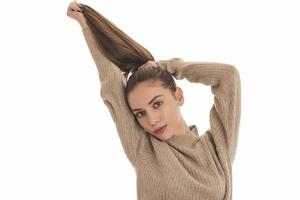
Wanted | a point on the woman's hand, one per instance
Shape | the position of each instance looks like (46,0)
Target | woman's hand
(75,12)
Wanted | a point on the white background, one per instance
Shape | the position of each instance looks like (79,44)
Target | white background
(57,138)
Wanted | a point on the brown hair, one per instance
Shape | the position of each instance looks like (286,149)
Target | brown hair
(124,52)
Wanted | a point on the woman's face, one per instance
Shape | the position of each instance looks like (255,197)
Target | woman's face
(155,106)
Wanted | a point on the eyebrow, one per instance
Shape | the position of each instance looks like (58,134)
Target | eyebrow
(136,109)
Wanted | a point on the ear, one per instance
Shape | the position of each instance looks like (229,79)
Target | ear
(179,96)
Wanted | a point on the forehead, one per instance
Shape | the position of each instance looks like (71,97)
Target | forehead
(145,91)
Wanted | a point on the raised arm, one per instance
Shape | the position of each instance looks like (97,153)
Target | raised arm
(225,85)
(112,93)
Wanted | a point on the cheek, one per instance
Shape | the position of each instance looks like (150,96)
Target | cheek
(170,109)
(173,115)
(142,123)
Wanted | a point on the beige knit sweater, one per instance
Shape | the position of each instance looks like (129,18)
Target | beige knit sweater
(187,166)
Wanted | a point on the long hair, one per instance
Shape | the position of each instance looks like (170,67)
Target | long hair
(124,52)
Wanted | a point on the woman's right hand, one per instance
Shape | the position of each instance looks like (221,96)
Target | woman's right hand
(75,12)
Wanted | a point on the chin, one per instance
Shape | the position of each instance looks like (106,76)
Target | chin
(163,136)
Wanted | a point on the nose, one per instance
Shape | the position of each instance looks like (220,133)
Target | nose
(153,118)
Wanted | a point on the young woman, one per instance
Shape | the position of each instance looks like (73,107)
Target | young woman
(172,161)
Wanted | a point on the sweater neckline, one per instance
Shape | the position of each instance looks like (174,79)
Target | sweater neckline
(189,139)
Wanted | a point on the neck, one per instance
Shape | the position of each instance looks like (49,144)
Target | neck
(183,128)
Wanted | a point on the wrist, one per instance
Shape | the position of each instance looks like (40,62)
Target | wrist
(82,22)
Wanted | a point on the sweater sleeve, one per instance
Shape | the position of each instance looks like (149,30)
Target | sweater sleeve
(113,96)
(225,85)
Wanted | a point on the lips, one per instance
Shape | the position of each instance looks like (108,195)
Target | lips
(159,129)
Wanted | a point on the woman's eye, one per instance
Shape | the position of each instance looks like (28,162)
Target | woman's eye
(138,114)
(158,103)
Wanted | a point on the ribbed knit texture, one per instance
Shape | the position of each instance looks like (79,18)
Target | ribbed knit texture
(187,166)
